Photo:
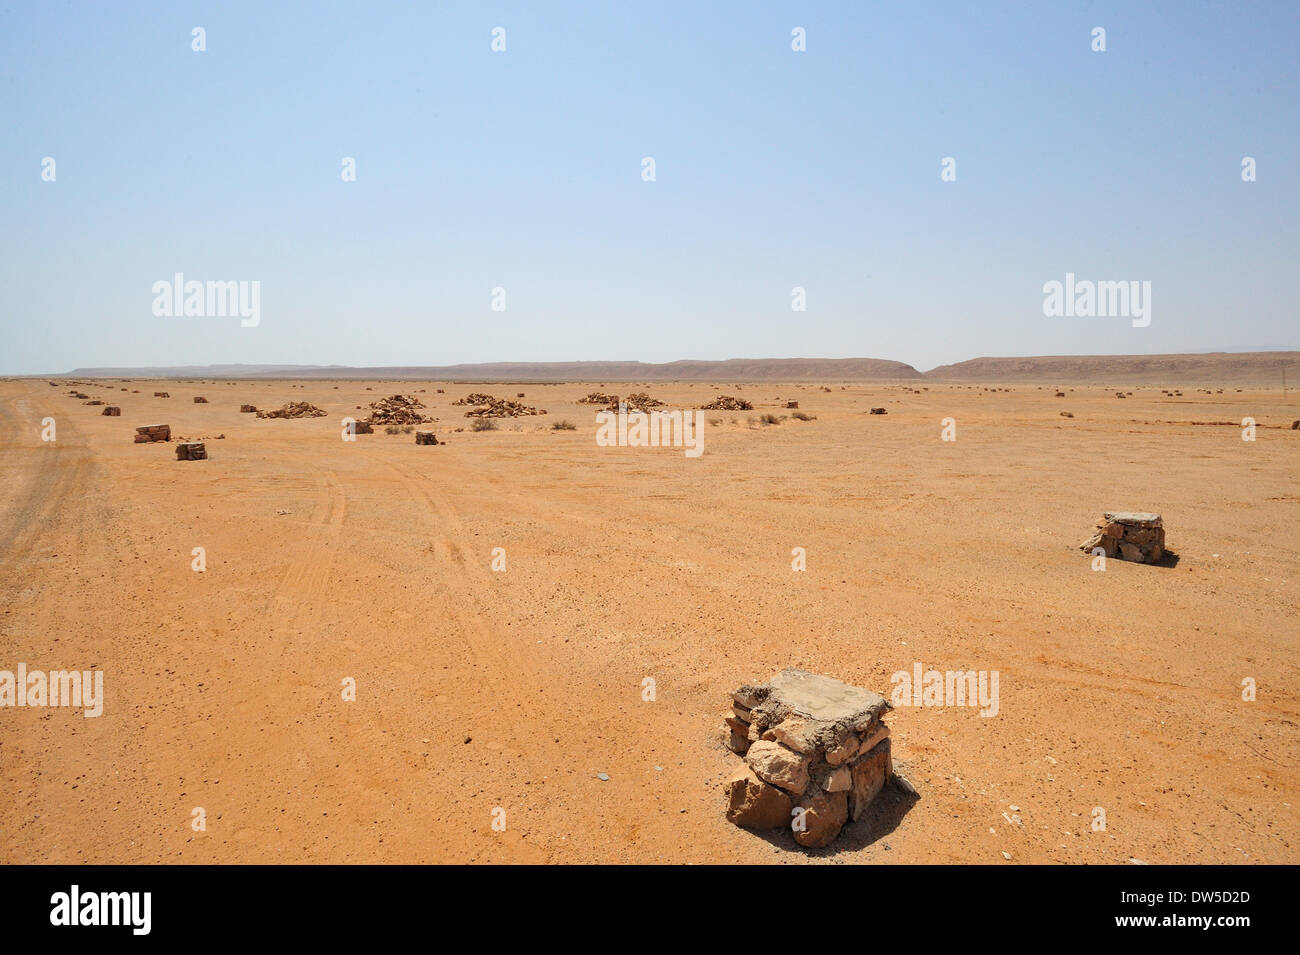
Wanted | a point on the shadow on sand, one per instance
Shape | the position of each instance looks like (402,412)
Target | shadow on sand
(882,817)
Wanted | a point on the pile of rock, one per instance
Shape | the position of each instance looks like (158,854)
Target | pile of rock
(294,409)
(161,394)
(112,410)
(362,427)
(792,404)
(425,437)
(490,407)
(879,411)
(474,398)
(93,401)
(1129,535)
(397,409)
(598,398)
(816,754)
(200,400)
(637,401)
(728,403)
(153,432)
(247,409)
(191,451)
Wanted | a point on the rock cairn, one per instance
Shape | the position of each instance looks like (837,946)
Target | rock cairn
(728,403)
(1129,535)
(294,409)
(879,411)
(810,743)
(397,409)
(200,400)
(112,411)
(153,432)
(425,437)
(248,409)
(598,398)
(489,407)
(191,451)
(637,401)
(161,394)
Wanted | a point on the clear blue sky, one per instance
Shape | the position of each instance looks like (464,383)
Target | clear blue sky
(522,169)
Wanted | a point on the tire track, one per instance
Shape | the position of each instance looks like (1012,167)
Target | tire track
(305,582)
(486,654)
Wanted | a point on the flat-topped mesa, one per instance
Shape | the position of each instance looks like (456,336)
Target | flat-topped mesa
(810,742)
(1137,536)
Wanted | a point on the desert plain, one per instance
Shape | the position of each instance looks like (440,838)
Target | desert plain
(519,694)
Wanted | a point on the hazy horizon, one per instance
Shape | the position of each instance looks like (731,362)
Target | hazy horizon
(522,170)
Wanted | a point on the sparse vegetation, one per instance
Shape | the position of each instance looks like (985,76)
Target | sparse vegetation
(771,419)
(801,416)
(564,426)
(483,424)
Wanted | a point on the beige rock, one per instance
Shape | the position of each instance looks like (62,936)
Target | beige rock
(753,803)
(737,725)
(750,696)
(778,765)
(823,818)
(870,773)
(871,742)
(824,698)
(798,733)
(843,751)
(734,741)
(841,780)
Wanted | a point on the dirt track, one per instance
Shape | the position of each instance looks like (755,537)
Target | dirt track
(478,689)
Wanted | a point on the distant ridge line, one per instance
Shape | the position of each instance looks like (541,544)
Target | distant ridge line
(1221,367)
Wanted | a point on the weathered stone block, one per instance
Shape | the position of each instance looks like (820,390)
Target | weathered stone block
(870,773)
(824,816)
(756,804)
(778,765)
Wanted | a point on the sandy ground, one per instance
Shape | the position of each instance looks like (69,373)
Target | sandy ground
(479,690)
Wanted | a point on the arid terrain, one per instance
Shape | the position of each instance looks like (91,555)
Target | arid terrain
(479,689)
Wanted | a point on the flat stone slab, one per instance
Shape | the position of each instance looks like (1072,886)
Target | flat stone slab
(1140,518)
(824,698)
